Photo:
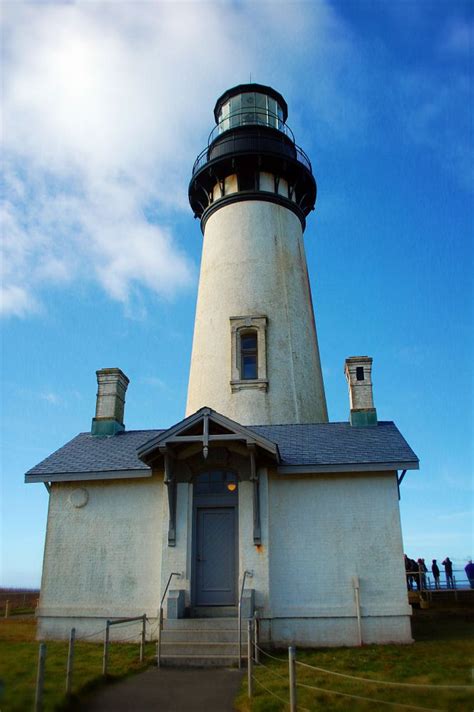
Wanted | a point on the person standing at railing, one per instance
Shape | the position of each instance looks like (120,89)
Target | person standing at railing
(435,572)
(422,573)
(469,569)
(448,569)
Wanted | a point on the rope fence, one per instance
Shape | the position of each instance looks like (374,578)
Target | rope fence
(140,621)
(387,682)
(255,653)
(366,699)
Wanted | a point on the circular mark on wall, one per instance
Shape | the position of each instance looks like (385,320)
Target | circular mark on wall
(79,497)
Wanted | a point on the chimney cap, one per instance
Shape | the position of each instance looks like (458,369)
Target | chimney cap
(112,372)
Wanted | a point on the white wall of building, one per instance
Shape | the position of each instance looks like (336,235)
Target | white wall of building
(253,263)
(102,559)
(324,530)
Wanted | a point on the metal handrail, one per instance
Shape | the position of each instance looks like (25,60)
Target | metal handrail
(202,158)
(160,617)
(120,621)
(249,574)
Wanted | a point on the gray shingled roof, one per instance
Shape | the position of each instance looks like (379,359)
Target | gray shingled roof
(338,443)
(300,445)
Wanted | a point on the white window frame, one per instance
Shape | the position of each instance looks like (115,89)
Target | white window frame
(239,325)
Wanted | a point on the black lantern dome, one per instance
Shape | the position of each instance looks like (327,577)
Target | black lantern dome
(250,143)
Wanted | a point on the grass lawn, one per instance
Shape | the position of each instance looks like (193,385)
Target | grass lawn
(19,659)
(442,654)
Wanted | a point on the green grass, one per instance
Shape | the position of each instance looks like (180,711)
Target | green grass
(19,659)
(442,654)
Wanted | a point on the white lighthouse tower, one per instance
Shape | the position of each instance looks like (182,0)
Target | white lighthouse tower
(255,354)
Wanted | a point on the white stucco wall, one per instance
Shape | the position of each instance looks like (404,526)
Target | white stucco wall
(251,557)
(102,559)
(177,558)
(323,531)
(253,263)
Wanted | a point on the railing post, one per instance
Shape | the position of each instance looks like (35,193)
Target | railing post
(255,640)
(105,659)
(142,639)
(249,660)
(7,609)
(70,661)
(40,678)
(292,677)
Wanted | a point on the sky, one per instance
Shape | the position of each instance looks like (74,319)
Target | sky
(107,104)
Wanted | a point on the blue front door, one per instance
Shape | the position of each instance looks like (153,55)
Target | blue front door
(215,539)
(215,556)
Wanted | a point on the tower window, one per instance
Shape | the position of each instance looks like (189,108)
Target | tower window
(248,352)
(360,373)
(246,180)
(248,355)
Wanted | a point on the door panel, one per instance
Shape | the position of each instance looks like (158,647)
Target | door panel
(215,556)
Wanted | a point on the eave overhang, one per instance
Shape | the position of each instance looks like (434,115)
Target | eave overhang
(90,476)
(208,427)
(347,467)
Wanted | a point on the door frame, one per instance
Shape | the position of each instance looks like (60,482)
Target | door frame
(218,501)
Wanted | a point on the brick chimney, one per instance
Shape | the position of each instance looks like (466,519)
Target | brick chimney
(111,388)
(358,371)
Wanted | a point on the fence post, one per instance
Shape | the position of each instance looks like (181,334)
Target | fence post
(158,642)
(142,639)
(356,585)
(292,677)
(105,659)
(70,661)
(7,609)
(255,640)
(40,678)
(249,660)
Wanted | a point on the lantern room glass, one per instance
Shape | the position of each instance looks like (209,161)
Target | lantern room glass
(250,108)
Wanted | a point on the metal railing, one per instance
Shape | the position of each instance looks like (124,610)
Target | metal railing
(424,581)
(250,117)
(246,574)
(203,157)
(160,617)
(120,621)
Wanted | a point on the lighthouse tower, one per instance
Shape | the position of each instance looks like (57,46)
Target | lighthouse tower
(255,354)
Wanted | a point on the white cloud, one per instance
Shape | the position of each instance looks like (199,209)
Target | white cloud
(50,397)
(107,105)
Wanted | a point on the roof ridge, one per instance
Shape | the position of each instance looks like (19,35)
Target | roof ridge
(294,425)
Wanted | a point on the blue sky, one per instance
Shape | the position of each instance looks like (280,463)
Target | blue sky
(106,107)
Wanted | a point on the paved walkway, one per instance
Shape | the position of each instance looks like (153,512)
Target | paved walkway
(169,690)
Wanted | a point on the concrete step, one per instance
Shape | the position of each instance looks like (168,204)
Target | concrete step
(190,635)
(202,624)
(201,648)
(185,660)
(215,612)
(202,641)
